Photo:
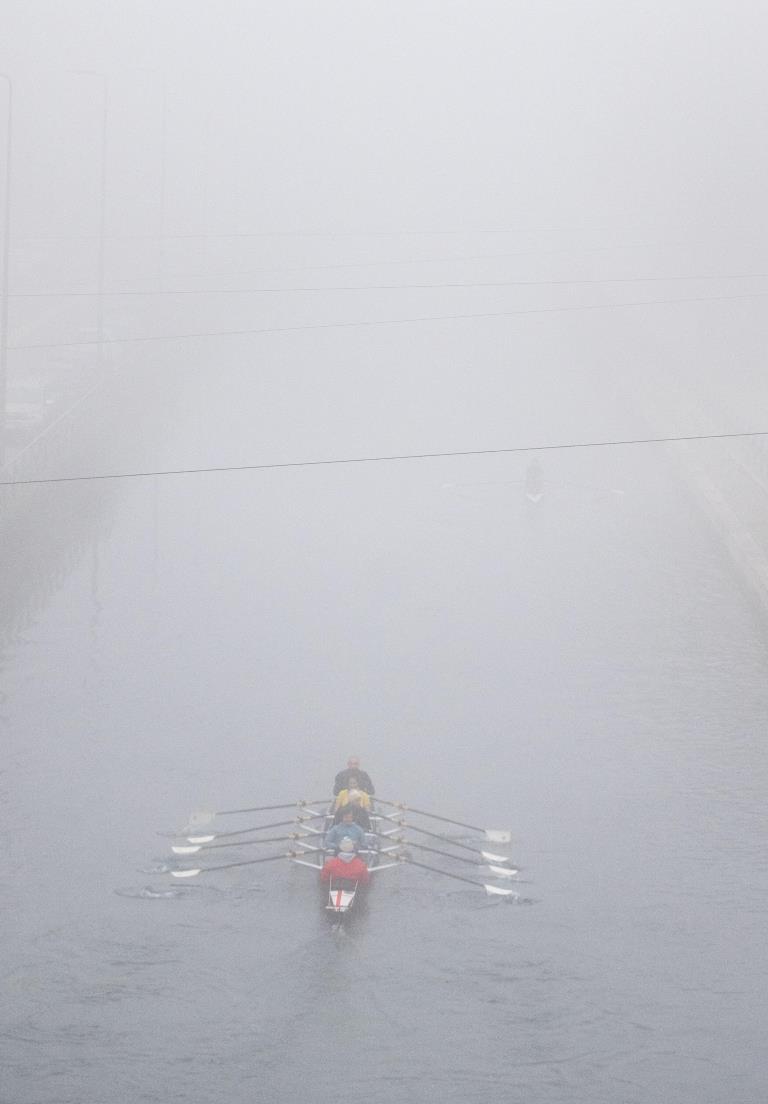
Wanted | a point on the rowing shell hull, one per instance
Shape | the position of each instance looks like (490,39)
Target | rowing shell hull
(343,902)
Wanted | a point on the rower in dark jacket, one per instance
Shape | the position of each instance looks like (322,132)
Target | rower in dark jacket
(353,771)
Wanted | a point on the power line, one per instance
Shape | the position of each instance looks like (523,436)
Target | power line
(237,235)
(389,459)
(386,262)
(382,287)
(389,321)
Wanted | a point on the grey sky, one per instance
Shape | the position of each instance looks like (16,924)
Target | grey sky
(631,117)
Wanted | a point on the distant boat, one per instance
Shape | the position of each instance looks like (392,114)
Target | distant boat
(534,482)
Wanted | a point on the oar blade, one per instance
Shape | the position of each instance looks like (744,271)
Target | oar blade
(185,850)
(502,871)
(491,858)
(200,839)
(497,891)
(498,835)
(185,873)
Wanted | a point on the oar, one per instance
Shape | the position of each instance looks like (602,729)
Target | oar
(487,855)
(492,891)
(270,808)
(229,866)
(238,843)
(494,835)
(205,817)
(253,828)
(499,871)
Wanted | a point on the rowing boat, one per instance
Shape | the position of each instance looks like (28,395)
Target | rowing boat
(390,843)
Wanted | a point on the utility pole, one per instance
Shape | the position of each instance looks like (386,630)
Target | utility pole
(163,159)
(5,269)
(162,172)
(100,257)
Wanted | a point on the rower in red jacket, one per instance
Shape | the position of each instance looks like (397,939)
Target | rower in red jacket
(346,865)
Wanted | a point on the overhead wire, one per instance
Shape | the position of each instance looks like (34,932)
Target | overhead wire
(117,293)
(388,262)
(384,459)
(371,322)
(399,261)
(380,233)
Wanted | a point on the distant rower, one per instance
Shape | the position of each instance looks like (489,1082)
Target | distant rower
(353,771)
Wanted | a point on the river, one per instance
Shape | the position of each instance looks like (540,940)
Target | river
(587,671)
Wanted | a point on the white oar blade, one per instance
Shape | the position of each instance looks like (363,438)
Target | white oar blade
(495,891)
(187,873)
(184,850)
(491,858)
(497,835)
(502,871)
(200,839)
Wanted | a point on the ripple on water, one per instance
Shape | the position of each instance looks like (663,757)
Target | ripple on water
(149,893)
(166,893)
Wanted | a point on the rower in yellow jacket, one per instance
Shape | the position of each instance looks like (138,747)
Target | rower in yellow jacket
(352,796)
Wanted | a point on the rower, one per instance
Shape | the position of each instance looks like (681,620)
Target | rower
(352,770)
(345,829)
(353,794)
(359,814)
(345,865)
(534,481)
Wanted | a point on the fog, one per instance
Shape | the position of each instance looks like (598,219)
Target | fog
(384,380)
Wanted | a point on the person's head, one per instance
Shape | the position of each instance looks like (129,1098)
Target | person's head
(353,763)
(354,797)
(346,850)
(352,783)
(347,815)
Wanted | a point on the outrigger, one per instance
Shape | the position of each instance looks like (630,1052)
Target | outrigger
(388,844)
